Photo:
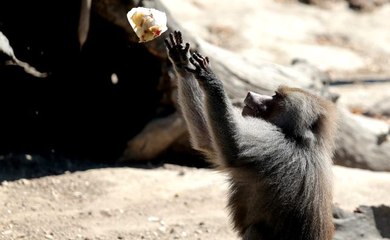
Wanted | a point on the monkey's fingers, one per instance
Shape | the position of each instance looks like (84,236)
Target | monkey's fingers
(195,64)
(178,37)
(184,52)
(171,37)
(197,54)
(200,60)
(167,44)
(187,47)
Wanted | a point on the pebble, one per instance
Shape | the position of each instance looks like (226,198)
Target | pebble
(153,219)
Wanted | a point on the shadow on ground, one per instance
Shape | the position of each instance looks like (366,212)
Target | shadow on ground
(17,166)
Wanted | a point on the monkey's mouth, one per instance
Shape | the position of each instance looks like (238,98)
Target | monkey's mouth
(248,111)
(253,111)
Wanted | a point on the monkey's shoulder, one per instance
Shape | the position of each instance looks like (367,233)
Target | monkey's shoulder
(258,130)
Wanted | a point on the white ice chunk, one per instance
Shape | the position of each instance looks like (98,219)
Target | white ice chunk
(147,23)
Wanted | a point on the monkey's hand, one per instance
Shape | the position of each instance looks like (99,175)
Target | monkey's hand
(178,53)
(202,71)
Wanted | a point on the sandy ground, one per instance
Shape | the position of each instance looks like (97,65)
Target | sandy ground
(168,202)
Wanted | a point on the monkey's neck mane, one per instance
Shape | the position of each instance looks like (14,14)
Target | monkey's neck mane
(301,135)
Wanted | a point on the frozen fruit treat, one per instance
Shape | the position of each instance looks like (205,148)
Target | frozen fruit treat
(147,23)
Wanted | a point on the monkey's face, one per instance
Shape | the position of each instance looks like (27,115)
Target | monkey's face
(297,113)
(260,106)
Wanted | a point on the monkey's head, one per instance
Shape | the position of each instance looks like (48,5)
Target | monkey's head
(300,115)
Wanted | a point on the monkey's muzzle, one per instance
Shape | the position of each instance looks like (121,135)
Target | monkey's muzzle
(255,104)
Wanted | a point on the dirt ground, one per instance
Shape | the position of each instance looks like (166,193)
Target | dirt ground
(167,202)
(170,202)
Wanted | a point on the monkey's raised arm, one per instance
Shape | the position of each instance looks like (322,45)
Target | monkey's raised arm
(190,96)
(277,155)
(219,110)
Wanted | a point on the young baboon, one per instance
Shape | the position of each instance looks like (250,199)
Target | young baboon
(277,151)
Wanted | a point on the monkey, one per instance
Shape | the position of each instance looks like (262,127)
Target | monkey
(277,150)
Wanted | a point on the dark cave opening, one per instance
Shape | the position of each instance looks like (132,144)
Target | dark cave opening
(93,101)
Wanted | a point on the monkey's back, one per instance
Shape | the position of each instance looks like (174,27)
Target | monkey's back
(254,205)
(280,194)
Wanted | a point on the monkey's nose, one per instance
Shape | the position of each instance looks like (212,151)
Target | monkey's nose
(254,99)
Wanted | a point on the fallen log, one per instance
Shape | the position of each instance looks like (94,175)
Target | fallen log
(357,146)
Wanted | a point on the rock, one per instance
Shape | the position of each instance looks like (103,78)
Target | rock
(366,222)
(380,108)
